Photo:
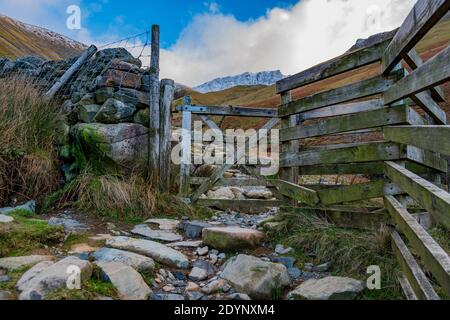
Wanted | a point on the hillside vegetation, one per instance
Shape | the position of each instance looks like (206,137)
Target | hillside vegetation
(18,39)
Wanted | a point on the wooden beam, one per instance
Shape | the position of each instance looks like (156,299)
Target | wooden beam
(167,91)
(413,59)
(424,100)
(296,192)
(185,166)
(407,289)
(420,20)
(350,168)
(434,257)
(435,200)
(343,109)
(416,277)
(433,138)
(341,64)
(365,152)
(353,91)
(218,174)
(357,192)
(363,120)
(87,54)
(230,111)
(434,72)
(425,158)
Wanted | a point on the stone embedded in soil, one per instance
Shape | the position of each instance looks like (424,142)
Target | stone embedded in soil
(82,248)
(222,193)
(198,274)
(238,296)
(186,244)
(164,224)
(232,238)
(6,295)
(154,250)
(167,297)
(54,277)
(6,219)
(4,279)
(257,278)
(205,265)
(30,206)
(139,262)
(69,225)
(100,237)
(259,194)
(288,262)
(15,263)
(329,288)
(129,283)
(194,229)
(192,286)
(214,286)
(280,249)
(294,273)
(202,251)
(145,231)
(23,282)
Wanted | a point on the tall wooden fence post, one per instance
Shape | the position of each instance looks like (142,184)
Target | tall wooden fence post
(154,125)
(185,166)
(167,90)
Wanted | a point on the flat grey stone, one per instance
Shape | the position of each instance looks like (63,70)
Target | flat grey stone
(6,219)
(157,251)
(186,244)
(329,288)
(198,274)
(14,263)
(145,231)
(167,297)
(139,262)
(165,224)
(194,229)
(69,225)
(129,283)
(53,277)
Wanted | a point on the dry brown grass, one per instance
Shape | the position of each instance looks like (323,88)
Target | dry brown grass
(28,129)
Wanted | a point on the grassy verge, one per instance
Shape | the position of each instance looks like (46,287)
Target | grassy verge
(350,251)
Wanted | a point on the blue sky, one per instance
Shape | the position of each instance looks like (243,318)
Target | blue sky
(205,39)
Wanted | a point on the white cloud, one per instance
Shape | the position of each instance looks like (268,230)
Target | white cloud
(291,40)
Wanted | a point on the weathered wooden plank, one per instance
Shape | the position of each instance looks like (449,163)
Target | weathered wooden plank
(425,158)
(420,20)
(435,200)
(416,277)
(432,73)
(87,54)
(218,174)
(185,165)
(288,174)
(341,64)
(343,109)
(230,111)
(154,114)
(350,168)
(407,289)
(167,92)
(434,257)
(353,91)
(210,123)
(296,192)
(346,123)
(365,152)
(433,138)
(240,205)
(231,182)
(413,59)
(424,100)
(357,192)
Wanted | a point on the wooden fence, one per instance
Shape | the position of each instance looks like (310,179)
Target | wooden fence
(405,165)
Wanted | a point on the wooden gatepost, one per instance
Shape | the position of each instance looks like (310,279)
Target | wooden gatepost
(402,159)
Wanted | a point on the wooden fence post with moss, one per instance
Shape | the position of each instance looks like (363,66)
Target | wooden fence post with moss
(167,90)
(154,122)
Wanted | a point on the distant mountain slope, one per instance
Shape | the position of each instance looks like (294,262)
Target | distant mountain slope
(19,39)
(266,78)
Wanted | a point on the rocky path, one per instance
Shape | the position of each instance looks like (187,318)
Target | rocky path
(223,258)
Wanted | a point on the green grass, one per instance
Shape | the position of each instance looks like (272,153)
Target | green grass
(350,251)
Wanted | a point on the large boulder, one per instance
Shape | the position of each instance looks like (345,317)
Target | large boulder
(157,251)
(232,238)
(124,144)
(129,283)
(114,111)
(329,288)
(52,278)
(15,263)
(255,277)
(134,260)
